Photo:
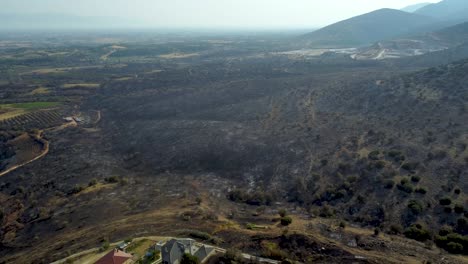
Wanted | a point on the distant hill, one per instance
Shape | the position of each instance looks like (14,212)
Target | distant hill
(412,8)
(446,10)
(368,28)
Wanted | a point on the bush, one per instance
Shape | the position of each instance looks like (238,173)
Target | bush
(410,166)
(388,184)
(376,231)
(285,221)
(282,212)
(105,245)
(342,224)
(92,182)
(445,230)
(459,209)
(453,243)
(374,155)
(112,179)
(395,229)
(415,178)
(189,259)
(457,191)
(421,190)
(417,232)
(405,186)
(455,248)
(415,207)
(396,155)
(77,189)
(445,201)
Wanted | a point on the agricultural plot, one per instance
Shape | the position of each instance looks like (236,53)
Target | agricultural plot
(30,115)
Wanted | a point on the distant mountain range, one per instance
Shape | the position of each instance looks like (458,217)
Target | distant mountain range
(385,24)
(412,8)
(446,10)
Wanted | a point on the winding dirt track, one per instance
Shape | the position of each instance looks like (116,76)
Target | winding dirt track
(45,143)
(44,152)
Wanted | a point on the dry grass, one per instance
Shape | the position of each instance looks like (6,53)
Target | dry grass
(154,71)
(121,79)
(39,91)
(83,85)
(118,47)
(178,55)
(11,113)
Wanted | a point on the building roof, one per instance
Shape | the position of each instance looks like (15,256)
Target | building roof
(114,257)
(203,252)
(174,249)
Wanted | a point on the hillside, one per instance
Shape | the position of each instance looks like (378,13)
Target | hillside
(213,137)
(412,8)
(446,10)
(364,29)
(447,38)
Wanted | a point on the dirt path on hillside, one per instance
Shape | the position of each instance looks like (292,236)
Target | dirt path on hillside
(45,144)
(44,152)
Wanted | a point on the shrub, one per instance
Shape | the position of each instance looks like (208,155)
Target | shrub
(379,164)
(342,224)
(105,245)
(92,182)
(396,155)
(374,155)
(232,256)
(388,184)
(189,259)
(285,221)
(445,230)
(326,211)
(455,248)
(415,207)
(417,232)
(415,178)
(457,191)
(459,209)
(421,190)
(376,231)
(405,186)
(395,229)
(112,179)
(410,166)
(445,201)
(282,212)
(77,189)
(453,243)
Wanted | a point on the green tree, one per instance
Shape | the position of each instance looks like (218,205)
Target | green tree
(282,212)
(189,259)
(286,220)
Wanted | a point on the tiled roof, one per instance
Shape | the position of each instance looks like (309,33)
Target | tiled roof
(114,257)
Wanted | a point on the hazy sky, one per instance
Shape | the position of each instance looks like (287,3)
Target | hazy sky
(212,13)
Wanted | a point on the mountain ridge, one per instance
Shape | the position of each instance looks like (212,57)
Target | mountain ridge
(367,28)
